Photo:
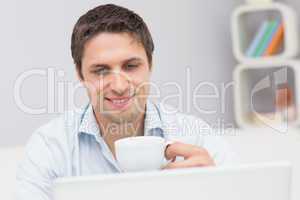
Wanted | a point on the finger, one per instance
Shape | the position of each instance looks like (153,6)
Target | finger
(191,162)
(184,150)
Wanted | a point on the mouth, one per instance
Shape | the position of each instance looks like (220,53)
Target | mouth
(119,103)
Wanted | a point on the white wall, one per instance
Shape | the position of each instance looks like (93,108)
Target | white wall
(36,35)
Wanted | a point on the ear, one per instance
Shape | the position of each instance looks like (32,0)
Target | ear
(150,66)
(78,73)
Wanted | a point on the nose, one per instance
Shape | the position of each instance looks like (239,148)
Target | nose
(119,83)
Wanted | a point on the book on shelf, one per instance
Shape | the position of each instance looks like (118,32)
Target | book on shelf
(267,40)
(276,41)
(263,45)
(257,38)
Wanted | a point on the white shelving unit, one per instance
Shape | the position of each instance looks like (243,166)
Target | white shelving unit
(256,78)
(253,82)
(243,29)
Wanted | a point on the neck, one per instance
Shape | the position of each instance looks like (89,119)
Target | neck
(112,132)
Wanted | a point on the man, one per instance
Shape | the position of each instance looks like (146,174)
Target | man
(112,50)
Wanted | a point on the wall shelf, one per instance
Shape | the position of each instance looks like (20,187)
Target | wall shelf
(255,93)
(267,88)
(245,21)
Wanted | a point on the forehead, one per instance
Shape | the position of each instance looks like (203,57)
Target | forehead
(109,47)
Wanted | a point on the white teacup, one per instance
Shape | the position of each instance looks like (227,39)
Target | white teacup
(141,153)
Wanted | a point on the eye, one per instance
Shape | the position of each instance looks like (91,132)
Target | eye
(131,66)
(101,71)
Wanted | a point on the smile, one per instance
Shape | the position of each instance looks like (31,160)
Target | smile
(119,103)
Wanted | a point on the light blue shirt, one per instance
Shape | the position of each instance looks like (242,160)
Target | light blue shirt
(71,145)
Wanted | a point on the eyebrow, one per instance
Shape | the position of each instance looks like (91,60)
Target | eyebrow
(96,65)
(132,59)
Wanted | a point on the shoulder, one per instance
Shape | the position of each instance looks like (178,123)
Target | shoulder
(65,124)
(186,123)
(52,143)
(59,133)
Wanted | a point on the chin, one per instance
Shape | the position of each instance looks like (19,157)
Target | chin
(126,116)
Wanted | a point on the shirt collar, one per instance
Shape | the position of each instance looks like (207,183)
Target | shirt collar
(153,123)
(159,121)
(88,123)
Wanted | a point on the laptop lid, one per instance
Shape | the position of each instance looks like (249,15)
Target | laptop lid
(264,181)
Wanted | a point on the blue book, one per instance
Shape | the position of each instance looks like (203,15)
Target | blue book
(258,37)
(273,28)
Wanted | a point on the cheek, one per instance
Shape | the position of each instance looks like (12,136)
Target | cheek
(141,78)
(95,88)
(142,89)
(141,82)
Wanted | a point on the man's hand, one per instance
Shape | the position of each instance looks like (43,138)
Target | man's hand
(194,156)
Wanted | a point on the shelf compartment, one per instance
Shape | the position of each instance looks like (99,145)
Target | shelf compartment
(246,20)
(267,94)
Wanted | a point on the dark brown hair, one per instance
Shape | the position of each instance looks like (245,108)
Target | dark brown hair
(109,18)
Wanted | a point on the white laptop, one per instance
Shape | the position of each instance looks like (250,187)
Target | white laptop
(267,181)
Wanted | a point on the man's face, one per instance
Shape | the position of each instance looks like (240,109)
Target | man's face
(116,73)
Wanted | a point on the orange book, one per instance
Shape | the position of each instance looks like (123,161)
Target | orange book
(275,42)
(284,97)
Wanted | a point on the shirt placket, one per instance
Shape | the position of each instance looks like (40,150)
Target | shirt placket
(108,154)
